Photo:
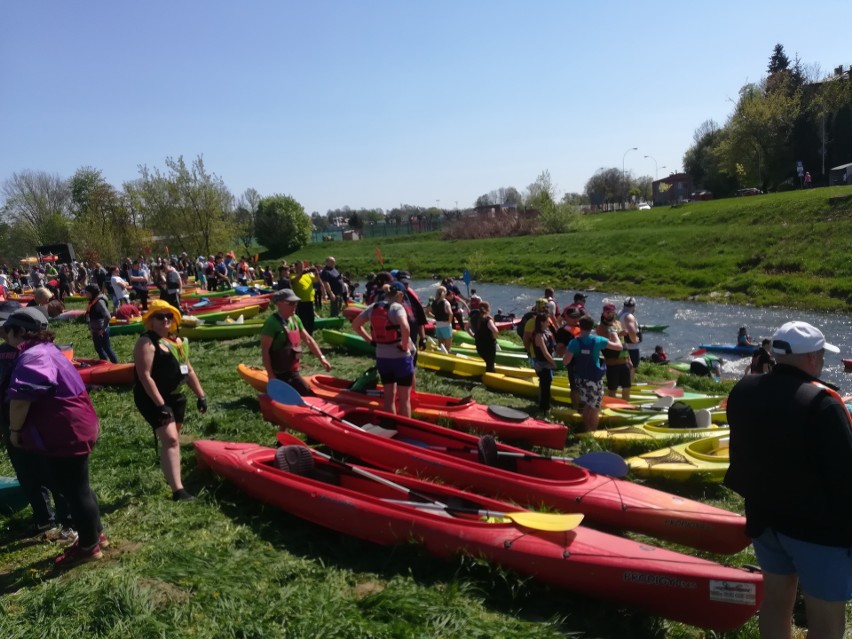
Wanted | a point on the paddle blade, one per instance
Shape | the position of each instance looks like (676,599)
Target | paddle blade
(281,392)
(699,352)
(669,392)
(549,522)
(603,462)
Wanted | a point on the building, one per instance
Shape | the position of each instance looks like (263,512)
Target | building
(673,189)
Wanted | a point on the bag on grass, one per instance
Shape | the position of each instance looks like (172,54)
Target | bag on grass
(682,415)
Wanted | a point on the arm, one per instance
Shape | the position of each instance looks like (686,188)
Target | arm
(315,349)
(492,327)
(632,328)
(358,326)
(538,340)
(265,347)
(18,410)
(143,356)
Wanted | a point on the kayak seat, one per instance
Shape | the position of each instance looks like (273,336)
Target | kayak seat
(487,449)
(462,401)
(703,418)
(294,459)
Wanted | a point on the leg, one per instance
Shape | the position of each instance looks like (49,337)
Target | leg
(107,346)
(389,397)
(826,619)
(776,611)
(545,380)
(27,468)
(591,418)
(403,400)
(170,454)
(73,474)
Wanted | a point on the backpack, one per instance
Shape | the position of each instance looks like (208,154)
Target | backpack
(682,415)
(519,329)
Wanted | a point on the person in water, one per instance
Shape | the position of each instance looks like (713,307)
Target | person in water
(659,355)
(743,338)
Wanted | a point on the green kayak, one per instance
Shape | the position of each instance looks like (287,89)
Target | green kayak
(463,337)
(349,342)
(12,498)
(251,327)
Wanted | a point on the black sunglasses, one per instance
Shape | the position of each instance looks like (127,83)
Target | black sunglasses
(163,317)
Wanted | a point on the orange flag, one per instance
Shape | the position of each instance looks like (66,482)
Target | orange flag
(379,255)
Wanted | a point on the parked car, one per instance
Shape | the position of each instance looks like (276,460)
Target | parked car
(644,206)
(748,191)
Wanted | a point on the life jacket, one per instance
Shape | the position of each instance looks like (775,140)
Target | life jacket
(381,329)
(519,329)
(586,366)
(287,358)
(439,310)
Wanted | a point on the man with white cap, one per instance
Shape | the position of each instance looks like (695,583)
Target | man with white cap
(791,459)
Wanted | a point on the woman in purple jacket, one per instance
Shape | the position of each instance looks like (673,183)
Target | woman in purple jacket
(51,415)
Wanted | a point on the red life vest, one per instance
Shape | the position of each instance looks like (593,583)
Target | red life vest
(287,358)
(381,329)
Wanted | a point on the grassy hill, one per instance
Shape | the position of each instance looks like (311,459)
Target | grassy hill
(787,249)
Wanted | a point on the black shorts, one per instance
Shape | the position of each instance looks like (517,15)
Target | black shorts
(151,413)
(617,376)
(634,356)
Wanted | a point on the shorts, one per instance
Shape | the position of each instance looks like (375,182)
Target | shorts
(591,391)
(617,375)
(175,401)
(396,370)
(825,572)
(443,330)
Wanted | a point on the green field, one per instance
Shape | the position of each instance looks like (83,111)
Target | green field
(789,249)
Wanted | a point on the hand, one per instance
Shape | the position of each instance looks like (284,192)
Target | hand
(15,438)
(167,416)
(423,343)
(325,363)
(201,403)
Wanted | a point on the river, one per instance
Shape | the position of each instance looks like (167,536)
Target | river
(690,323)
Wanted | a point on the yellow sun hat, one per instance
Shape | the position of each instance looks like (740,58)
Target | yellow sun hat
(161,306)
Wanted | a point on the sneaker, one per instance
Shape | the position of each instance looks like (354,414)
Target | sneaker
(60,534)
(76,555)
(103,542)
(182,494)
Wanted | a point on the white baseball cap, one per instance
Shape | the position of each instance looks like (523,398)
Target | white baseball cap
(795,338)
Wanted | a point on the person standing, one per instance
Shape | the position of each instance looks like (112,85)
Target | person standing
(791,460)
(174,284)
(543,346)
(585,352)
(302,283)
(97,317)
(485,336)
(281,340)
(807,179)
(335,287)
(162,366)
(390,332)
(563,336)
(617,361)
(119,287)
(139,283)
(762,360)
(632,335)
(51,416)
(442,312)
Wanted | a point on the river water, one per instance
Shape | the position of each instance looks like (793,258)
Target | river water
(690,323)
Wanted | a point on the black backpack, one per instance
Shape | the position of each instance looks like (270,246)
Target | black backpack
(682,415)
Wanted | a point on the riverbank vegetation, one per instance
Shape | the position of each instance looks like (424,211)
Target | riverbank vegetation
(781,249)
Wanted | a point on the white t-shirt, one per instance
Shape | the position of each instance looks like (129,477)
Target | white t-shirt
(119,287)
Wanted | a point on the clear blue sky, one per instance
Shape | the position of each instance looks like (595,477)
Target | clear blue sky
(374,103)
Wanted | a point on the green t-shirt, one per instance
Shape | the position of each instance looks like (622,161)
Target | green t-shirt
(274,328)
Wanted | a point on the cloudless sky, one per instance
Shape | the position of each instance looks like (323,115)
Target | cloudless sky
(376,103)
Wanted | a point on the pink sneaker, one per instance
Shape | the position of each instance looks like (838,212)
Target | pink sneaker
(76,555)
(103,542)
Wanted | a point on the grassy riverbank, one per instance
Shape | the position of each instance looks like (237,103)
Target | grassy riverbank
(227,566)
(785,249)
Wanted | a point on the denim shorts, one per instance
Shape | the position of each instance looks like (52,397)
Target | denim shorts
(443,330)
(825,572)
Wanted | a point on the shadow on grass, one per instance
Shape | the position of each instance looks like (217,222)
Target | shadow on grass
(500,590)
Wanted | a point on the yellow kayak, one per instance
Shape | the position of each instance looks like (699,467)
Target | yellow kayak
(705,459)
(649,431)
(462,365)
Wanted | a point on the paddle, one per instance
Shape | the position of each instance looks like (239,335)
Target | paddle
(668,392)
(548,522)
(602,462)
(699,352)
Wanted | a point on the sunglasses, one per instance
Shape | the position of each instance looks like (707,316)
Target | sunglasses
(163,317)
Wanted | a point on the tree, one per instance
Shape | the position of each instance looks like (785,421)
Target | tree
(190,209)
(778,61)
(701,161)
(604,187)
(282,224)
(37,205)
(244,218)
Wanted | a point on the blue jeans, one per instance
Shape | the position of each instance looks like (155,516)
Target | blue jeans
(103,347)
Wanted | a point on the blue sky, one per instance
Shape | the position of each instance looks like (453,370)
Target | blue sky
(375,103)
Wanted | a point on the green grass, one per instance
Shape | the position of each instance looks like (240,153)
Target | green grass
(788,249)
(228,566)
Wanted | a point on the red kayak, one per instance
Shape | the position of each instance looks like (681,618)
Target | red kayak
(225,304)
(507,423)
(100,372)
(337,496)
(428,450)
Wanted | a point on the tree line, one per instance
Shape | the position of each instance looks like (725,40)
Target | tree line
(183,208)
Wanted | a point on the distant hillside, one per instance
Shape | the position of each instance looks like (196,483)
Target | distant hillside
(789,249)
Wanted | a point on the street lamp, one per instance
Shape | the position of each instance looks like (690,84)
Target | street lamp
(656,175)
(623,178)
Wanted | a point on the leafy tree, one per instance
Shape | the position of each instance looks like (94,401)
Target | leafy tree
(778,61)
(282,224)
(188,207)
(701,161)
(244,218)
(37,204)
(605,187)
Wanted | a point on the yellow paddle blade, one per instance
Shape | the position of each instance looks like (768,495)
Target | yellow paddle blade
(550,522)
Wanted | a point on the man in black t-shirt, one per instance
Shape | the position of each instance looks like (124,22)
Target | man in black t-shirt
(334,286)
